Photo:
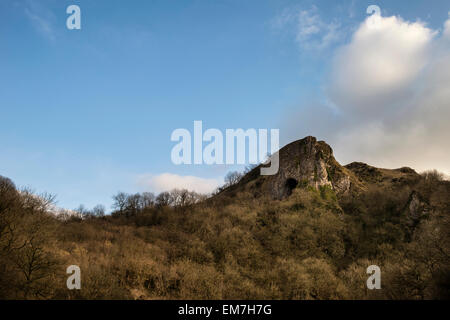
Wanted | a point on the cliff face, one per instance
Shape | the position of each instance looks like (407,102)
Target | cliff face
(308,162)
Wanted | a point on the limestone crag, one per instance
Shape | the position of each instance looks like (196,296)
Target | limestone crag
(308,162)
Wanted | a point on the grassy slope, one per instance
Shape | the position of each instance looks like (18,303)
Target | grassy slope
(239,245)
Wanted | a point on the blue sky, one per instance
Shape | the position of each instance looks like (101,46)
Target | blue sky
(86,113)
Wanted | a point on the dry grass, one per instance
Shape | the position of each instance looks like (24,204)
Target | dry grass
(309,246)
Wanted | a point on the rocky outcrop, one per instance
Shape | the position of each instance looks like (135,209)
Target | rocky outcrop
(365,172)
(416,209)
(308,162)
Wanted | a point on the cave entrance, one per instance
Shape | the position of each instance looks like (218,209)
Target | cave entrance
(291,184)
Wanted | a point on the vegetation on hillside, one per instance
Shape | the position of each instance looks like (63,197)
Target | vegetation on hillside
(180,245)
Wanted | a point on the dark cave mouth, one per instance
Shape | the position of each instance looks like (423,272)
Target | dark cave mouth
(290,185)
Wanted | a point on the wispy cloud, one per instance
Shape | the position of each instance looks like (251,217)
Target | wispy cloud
(311,31)
(41,19)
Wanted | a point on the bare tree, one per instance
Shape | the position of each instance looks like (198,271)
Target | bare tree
(120,202)
(133,204)
(42,202)
(99,210)
(232,178)
(164,199)
(82,212)
(26,229)
(147,200)
(433,175)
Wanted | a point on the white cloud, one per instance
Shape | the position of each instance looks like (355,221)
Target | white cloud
(395,80)
(447,27)
(391,87)
(379,66)
(169,181)
(309,24)
(311,32)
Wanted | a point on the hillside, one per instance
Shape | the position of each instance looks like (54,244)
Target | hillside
(308,232)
